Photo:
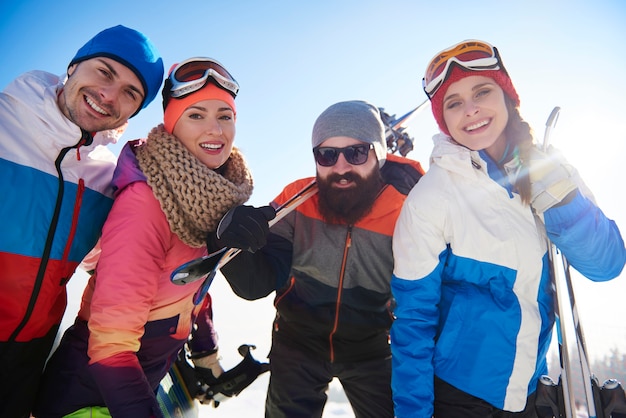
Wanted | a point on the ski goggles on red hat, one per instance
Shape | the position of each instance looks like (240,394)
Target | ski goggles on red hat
(471,55)
(354,154)
(193,74)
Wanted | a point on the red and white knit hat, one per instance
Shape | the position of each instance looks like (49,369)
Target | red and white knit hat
(457,73)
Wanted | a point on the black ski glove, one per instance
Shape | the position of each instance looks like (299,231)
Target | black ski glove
(244,227)
(197,379)
(206,379)
(233,381)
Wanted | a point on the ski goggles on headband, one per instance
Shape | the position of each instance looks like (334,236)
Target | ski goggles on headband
(193,74)
(354,154)
(471,55)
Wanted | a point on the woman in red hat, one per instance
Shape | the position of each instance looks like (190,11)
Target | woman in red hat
(471,279)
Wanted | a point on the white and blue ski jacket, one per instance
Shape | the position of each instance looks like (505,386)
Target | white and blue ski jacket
(40,246)
(471,281)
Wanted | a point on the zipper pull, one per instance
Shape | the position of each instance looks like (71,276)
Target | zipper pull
(85,140)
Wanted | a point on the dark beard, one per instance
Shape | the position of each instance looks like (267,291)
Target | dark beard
(347,206)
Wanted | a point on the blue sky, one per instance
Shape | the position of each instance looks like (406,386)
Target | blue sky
(293,59)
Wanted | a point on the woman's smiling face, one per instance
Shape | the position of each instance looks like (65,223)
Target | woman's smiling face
(207,130)
(475,113)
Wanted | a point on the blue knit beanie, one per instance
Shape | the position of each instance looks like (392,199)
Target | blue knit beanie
(132,49)
(355,119)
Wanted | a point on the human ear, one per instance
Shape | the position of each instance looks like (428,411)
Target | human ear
(71,69)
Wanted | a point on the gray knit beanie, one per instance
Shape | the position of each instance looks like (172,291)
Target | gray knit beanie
(355,119)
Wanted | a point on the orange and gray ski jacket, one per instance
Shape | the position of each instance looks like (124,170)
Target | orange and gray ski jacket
(332,281)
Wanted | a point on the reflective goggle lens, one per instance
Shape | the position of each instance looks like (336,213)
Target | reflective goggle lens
(354,154)
(472,55)
(193,74)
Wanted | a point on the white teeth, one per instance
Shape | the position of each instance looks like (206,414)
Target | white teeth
(211,146)
(95,107)
(477,125)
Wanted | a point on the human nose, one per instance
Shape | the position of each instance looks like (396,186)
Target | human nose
(471,108)
(213,127)
(110,93)
(342,165)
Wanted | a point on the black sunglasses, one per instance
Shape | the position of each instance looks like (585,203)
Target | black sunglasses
(354,154)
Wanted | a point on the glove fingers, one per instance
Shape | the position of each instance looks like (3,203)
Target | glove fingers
(268,212)
(245,227)
(259,230)
(550,179)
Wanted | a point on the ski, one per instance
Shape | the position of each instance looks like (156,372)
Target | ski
(557,399)
(230,253)
(174,397)
(397,139)
(591,389)
(206,267)
(198,268)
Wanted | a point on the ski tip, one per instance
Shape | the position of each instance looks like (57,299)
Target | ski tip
(179,278)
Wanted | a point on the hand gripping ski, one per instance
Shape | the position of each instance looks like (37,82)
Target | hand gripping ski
(206,267)
(557,399)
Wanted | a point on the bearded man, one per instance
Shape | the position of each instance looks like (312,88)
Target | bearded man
(330,263)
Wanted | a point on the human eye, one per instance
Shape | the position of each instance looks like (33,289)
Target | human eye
(452,104)
(225,114)
(105,72)
(194,115)
(132,94)
(361,150)
(482,92)
(327,153)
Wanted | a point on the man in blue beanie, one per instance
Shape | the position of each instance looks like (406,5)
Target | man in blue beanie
(55,175)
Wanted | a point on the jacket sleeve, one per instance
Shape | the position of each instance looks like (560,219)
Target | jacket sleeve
(254,276)
(402,173)
(591,242)
(134,242)
(203,335)
(416,287)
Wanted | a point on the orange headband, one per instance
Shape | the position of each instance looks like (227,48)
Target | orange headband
(176,107)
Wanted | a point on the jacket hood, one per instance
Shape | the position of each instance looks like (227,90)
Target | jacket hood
(127,170)
(38,91)
(454,157)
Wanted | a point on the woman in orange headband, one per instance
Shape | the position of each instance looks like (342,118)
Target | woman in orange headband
(172,188)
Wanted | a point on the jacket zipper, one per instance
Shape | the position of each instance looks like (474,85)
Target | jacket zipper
(70,239)
(279,298)
(86,139)
(292,282)
(342,274)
